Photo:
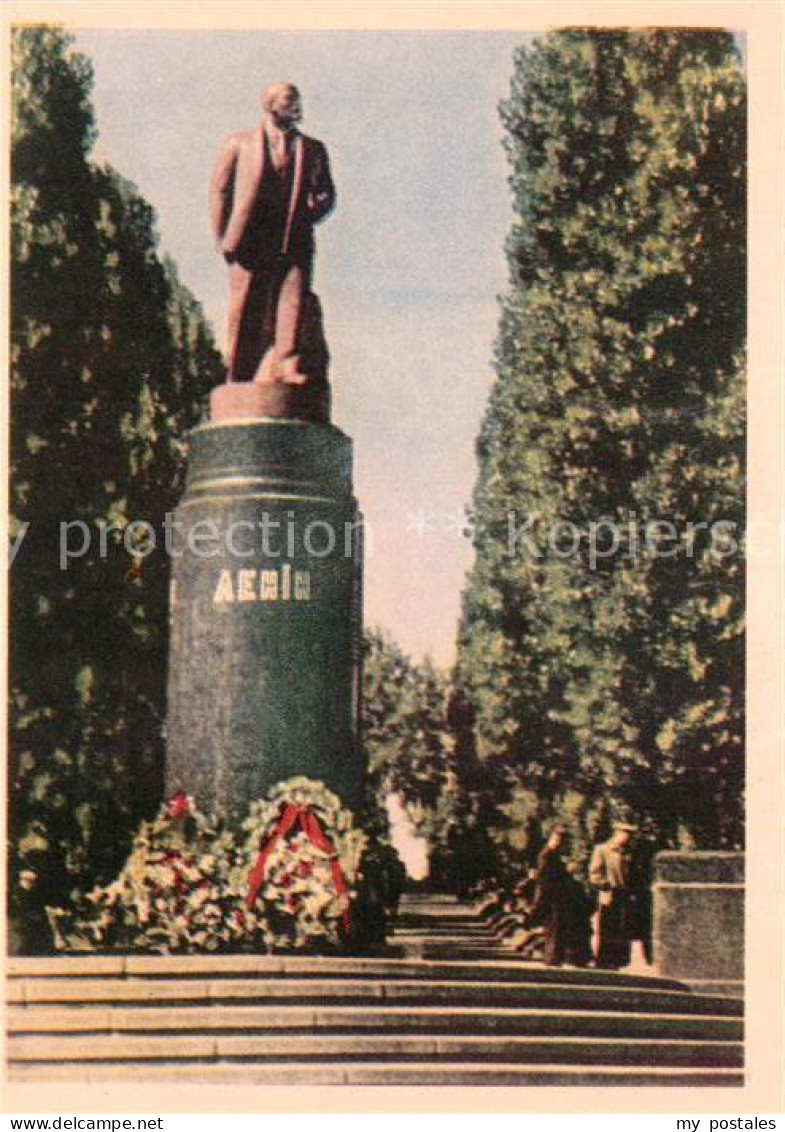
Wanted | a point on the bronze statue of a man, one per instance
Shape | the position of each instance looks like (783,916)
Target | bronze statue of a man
(271,185)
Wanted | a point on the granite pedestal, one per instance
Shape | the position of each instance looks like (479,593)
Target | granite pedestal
(265,647)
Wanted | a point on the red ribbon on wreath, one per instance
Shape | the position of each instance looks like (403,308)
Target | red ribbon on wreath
(312,828)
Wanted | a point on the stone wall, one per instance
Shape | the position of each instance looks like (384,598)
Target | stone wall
(699,920)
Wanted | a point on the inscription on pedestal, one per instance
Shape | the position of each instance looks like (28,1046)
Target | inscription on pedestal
(246,585)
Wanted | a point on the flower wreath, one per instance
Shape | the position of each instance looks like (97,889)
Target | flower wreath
(181,890)
(304,852)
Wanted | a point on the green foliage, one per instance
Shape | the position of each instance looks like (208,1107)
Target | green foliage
(414,745)
(110,363)
(619,398)
(404,726)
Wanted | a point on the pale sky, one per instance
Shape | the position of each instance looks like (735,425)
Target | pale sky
(408,267)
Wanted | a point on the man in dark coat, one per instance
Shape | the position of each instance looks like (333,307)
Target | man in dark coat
(641,896)
(580,906)
(393,880)
(270,186)
(550,908)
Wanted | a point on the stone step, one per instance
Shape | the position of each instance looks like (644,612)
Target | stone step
(433,900)
(506,969)
(448,952)
(380,1073)
(376,993)
(436,931)
(311,1019)
(302,1047)
(448,1004)
(472,937)
(424,902)
(444,916)
(488,947)
(442,919)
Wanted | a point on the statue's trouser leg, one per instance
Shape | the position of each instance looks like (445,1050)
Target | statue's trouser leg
(239,288)
(253,298)
(289,312)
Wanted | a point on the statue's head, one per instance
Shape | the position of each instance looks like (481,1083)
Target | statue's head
(283,103)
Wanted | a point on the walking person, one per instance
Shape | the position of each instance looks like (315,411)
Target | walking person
(393,880)
(611,873)
(641,896)
(579,909)
(551,906)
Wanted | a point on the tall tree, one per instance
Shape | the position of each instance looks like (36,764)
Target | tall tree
(412,734)
(404,725)
(110,363)
(618,404)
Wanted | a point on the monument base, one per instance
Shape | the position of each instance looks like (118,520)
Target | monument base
(266,632)
(254,400)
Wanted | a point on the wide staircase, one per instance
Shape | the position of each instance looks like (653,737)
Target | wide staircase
(448,1004)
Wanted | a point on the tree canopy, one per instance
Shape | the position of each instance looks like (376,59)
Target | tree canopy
(618,407)
(111,360)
